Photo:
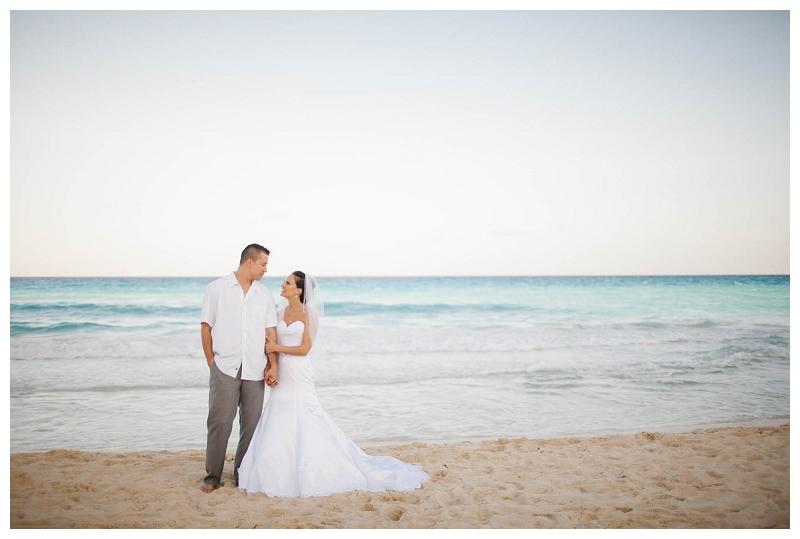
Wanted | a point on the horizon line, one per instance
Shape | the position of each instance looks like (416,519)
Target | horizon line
(413,276)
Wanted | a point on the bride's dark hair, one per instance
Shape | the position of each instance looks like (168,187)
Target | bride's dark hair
(300,282)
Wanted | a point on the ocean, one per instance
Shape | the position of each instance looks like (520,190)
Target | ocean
(116,363)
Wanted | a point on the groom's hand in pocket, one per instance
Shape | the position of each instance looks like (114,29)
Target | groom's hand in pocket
(208,347)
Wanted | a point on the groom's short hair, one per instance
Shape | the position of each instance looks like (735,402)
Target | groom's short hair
(253,252)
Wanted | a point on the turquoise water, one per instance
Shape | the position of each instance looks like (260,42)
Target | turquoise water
(106,363)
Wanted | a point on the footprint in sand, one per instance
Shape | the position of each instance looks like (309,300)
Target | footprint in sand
(405,497)
(450,499)
(395,513)
(508,495)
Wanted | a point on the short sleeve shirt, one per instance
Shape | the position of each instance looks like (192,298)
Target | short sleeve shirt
(237,325)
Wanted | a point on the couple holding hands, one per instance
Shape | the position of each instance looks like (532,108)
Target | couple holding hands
(288,447)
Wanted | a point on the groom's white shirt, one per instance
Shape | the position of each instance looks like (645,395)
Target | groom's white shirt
(237,325)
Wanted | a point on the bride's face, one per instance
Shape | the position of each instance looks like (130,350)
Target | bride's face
(289,288)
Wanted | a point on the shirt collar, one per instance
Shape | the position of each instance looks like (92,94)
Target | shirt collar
(233,282)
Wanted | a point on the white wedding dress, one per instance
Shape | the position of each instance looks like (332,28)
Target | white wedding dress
(298,451)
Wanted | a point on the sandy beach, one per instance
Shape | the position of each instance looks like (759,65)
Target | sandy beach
(736,477)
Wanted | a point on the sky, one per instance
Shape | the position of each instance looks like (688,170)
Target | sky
(155,143)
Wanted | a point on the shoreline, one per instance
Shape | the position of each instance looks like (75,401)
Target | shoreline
(770,422)
(722,477)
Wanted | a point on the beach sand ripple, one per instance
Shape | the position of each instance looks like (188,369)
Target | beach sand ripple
(714,478)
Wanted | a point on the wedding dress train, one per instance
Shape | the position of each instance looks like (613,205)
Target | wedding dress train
(298,451)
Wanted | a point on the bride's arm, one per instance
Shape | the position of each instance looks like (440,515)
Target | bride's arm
(301,350)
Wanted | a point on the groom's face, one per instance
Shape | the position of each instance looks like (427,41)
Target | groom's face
(259,268)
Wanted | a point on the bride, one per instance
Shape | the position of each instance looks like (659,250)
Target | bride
(297,450)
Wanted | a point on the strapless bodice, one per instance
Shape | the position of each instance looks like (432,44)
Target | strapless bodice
(291,335)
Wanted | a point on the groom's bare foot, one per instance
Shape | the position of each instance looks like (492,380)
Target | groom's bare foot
(207,488)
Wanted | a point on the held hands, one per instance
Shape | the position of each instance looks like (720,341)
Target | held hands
(270,346)
(271,375)
(271,372)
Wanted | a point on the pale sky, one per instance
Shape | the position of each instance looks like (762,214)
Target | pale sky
(400,143)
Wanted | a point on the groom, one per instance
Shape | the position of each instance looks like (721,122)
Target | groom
(238,314)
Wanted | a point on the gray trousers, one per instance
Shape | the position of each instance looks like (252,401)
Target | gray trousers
(224,395)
